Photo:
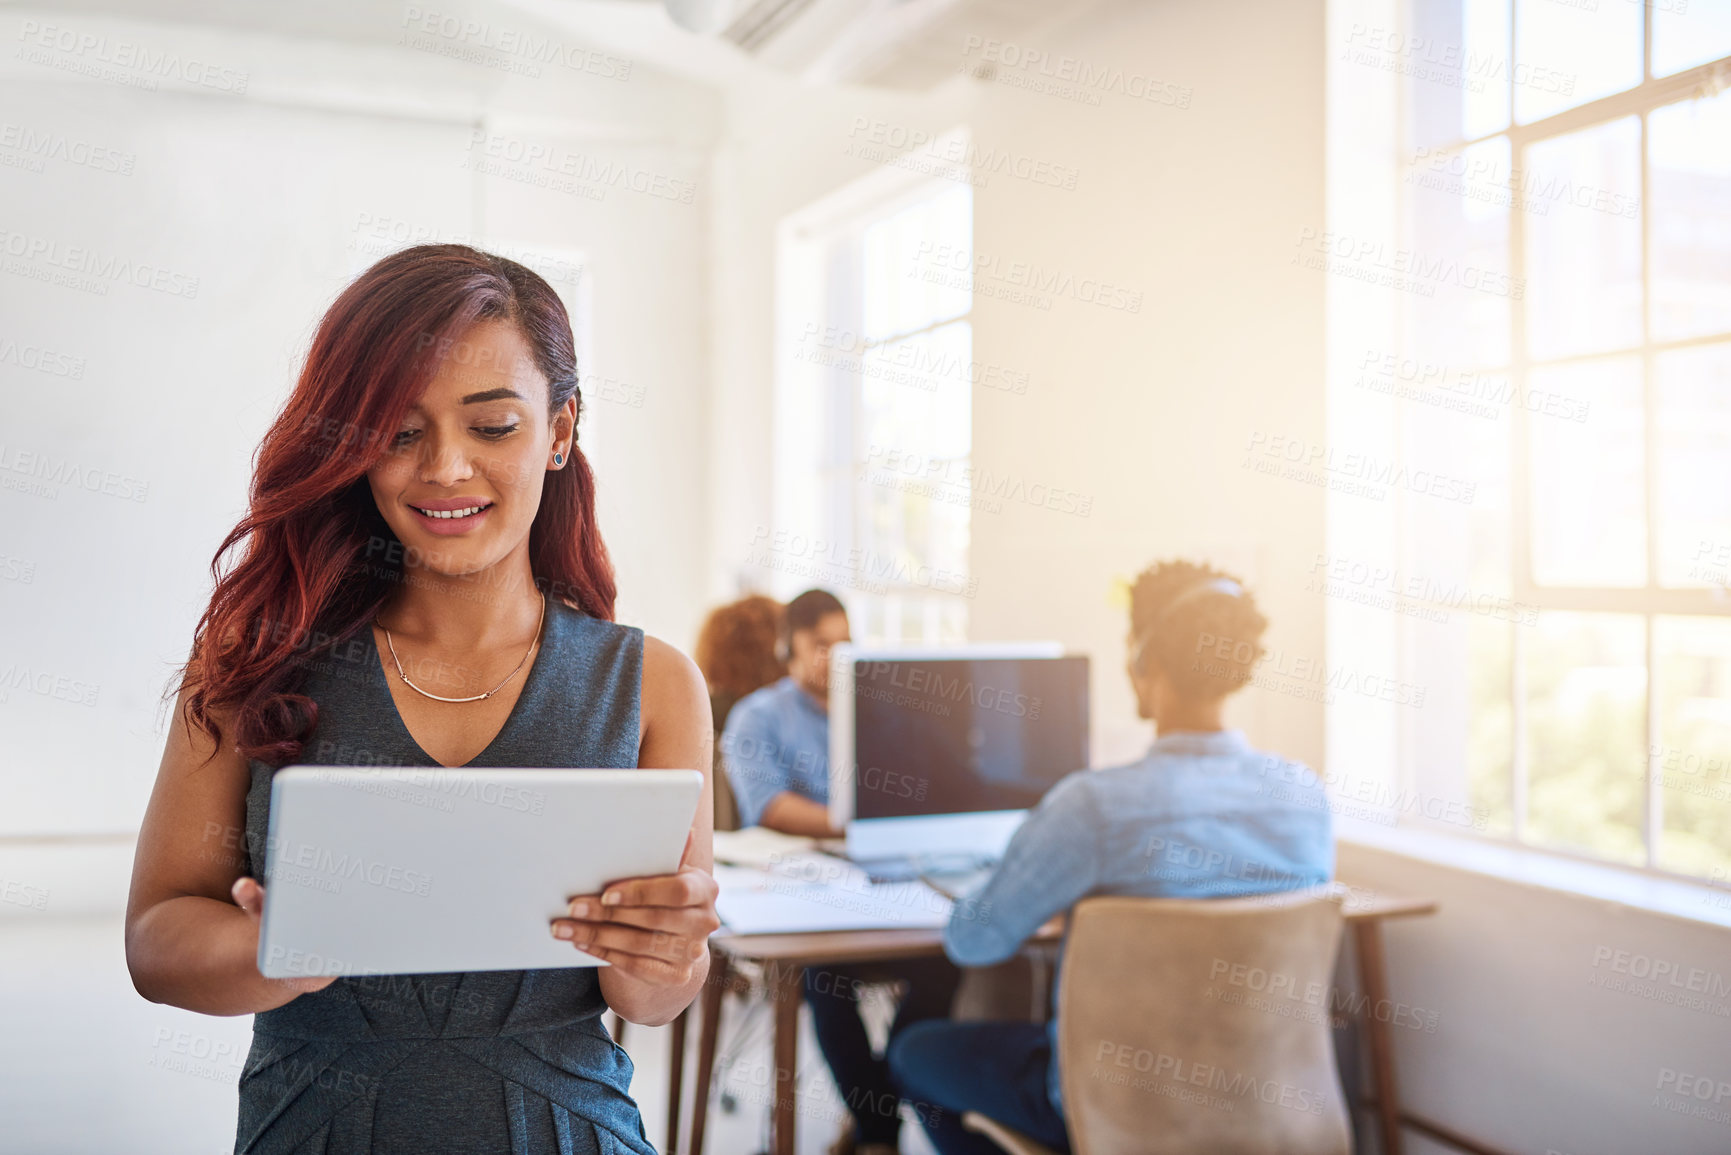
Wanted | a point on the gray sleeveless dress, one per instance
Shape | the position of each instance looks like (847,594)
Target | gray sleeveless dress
(479,1061)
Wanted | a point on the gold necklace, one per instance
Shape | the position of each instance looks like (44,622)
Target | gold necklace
(477,697)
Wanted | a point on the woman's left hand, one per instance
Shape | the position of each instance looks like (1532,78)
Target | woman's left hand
(655,929)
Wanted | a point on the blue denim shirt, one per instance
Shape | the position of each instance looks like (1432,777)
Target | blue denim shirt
(1202,815)
(775,739)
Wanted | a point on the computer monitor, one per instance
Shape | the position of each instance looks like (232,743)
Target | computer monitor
(939,752)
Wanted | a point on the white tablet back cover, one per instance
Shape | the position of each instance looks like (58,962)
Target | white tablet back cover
(418,869)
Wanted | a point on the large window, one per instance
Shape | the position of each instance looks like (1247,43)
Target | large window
(874,484)
(1559,340)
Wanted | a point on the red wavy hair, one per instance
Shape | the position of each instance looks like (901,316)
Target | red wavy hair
(736,647)
(317,559)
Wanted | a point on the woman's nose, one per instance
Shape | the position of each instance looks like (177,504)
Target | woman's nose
(444,464)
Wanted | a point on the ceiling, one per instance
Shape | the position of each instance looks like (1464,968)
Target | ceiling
(903,44)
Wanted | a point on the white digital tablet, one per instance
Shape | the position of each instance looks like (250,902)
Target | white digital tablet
(417,869)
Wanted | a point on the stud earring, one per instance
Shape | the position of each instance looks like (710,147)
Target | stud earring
(558,459)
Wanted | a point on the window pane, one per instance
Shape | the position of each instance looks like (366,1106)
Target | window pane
(1693,759)
(916,396)
(1489,736)
(1584,253)
(1460,741)
(1690,184)
(911,541)
(1459,425)
(1694,499)
(1485,46)
(1688,33)
(916,480)
(909,618)
(1566,55)
(1586,734)
(1460,220)
(918,270)
(1458,62)
(1588,478)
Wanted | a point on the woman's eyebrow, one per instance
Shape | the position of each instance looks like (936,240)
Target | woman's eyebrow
(493,395)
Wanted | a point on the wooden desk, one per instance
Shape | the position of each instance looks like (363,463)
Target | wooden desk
(784,958)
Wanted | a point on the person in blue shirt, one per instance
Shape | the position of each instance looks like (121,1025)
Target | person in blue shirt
(776,740)
(775,749)
(1202,815)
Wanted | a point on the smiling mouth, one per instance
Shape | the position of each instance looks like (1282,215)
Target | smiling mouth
(452,514)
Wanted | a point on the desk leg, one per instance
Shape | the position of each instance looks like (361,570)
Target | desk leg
(675,1080)
(1367,937)
(789,989)
(714,987)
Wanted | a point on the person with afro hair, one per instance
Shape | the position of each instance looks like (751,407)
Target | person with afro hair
(1203,814)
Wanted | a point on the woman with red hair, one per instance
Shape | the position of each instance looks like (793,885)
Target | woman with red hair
(737,652)
(422,583)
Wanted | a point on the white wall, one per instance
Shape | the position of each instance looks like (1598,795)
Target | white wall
(1145,413)
(338,151)
(1537,1048)
(1150,412)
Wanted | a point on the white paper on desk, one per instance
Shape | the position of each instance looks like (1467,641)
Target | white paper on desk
(758,902)
(757,846)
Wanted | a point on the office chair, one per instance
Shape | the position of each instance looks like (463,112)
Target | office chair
(1190,1025)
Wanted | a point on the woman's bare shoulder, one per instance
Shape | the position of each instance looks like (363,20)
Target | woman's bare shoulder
(673,674)
(673,688)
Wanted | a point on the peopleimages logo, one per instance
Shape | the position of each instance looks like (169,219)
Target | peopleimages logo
(888,142)
(561,169)
(1696,1095)
(928,684)
(1347,471)
(320,868)
(967,267)
(1447,63)
(905,363)
(530,48)
(826,560)
(90,54)
(40,359)
(1390,266)
(1668,972)
(40,145)
(885,464)
(1385,587)
(53,470)
(1538,190)
(104,268)
(1459,389)
(1232,1086)
(1077,78)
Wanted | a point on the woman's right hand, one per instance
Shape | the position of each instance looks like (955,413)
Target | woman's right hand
(248,894)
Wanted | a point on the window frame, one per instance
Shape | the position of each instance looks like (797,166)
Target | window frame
(1651,600)
(821,258)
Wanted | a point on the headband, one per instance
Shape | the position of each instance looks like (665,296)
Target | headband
(1213,585)
(1221,585)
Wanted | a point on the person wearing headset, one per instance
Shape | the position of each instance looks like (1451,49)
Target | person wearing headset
(776,740)
(1202,815)
(775,749)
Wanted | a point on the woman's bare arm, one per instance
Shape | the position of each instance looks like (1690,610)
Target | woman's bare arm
(188,943)
(657,937)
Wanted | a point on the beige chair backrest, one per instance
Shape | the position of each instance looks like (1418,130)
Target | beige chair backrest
(1189,1025)
(726,806)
